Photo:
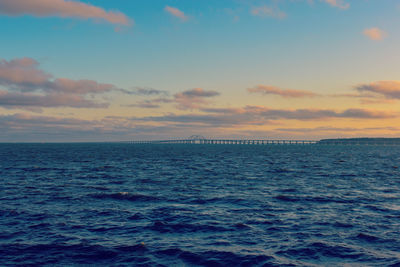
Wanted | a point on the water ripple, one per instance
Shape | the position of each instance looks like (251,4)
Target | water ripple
(206,205)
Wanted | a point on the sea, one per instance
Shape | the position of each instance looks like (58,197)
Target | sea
(120,204)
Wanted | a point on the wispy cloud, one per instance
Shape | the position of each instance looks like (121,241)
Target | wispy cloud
(307,114)
(256,115)
(144,91)
(152,103)
(342,4)
(273,90)
(367,98)
(375,34)
(388,89)
(266,11)
(341,130)
(63,9)
(28,100)
(198,92)
(176,13)
(222,122)
(189,99)
(193,98)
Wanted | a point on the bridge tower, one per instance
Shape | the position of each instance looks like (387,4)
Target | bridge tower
(197,139)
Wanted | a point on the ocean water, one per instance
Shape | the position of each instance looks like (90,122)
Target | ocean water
(199,205)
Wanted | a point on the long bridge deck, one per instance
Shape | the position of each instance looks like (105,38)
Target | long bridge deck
(266,142)
(199,139)
(229,142)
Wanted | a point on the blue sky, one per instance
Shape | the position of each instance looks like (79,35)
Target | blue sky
(326,47)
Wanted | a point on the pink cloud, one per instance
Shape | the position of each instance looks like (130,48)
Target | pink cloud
(80,86)
(28,86)
(176,13)
(375,34)
(266,11)
(61,8)
(273,90)
(338,3)
(24,75)
(22,71)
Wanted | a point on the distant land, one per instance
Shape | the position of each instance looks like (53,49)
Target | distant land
(362,140)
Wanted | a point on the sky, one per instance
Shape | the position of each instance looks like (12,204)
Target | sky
(101,70)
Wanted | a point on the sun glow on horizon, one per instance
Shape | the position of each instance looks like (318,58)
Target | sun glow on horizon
(118,71)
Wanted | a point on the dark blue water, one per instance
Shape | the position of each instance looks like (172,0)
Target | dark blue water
(199,205)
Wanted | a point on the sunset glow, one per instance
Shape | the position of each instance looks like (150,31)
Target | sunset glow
(143,70)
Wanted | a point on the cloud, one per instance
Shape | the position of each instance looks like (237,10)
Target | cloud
(63,9)
(144,91)
(261,116)
(82,87)
(189,99)
(27,100)
(366,98)
(198,92)
(266,11)
(194,98)
(273,90)
(24,75)
(145,104)
(338,3)
(336,129)
(176,13)
(151,103)
(375,34)
(26,85)
(388,89)
(316,114)
(218,120)
(22,71)
(22,127)
(222,122)
(306,114)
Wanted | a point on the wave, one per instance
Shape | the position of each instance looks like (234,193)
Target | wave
(318,199)
(218,258)
(57,253)
(318,250)
(124,196)
(165,227)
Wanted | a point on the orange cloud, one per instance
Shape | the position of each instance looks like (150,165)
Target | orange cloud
(260,116)
(389,89)
(176,13)
(61,8)
(273,90)
(375,34)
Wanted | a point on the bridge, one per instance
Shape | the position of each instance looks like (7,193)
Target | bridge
(199,139)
